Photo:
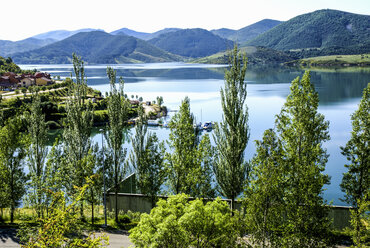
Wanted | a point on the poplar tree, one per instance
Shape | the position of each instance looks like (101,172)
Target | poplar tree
(265,194)
(302,132)
(356,181)
(232,134)
(188,169)
(117,114)
(12,152)
(77,131)
(147,157)
(37,153)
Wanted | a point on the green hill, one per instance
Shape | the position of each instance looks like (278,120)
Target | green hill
(256,56)
(8,47)
(247,33)
(7,65)
(321,29)
(192,43)
(96,47)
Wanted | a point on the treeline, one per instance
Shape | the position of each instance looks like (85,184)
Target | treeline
(281,186)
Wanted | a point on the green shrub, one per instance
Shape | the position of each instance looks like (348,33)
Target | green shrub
(179,223)
(124,219)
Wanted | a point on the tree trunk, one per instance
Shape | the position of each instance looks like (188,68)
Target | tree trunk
(12,213)
(92,207)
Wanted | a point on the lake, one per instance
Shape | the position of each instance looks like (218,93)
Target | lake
(340,91)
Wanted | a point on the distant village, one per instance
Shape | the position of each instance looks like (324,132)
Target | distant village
(12,81)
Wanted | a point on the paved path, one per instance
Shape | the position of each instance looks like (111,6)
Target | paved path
(117,239)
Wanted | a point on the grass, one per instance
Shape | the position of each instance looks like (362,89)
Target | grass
(334,60)
(29,216)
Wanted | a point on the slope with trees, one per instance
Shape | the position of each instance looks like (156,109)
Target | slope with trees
(96,47)
(322,29)
(191,43)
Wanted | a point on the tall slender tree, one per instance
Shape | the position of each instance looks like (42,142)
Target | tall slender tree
(147,157)
(302,132)
(265,193)
(37,153)
(77,132)
(12,152)
(232,134)
(188,161)
(117,113)
(356,181)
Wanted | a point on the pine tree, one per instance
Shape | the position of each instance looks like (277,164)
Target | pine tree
(117,113)
(232,134)
(302,132)
(356,182)
(187,164)
(37,152)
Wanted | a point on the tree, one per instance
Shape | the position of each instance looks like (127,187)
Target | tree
(12,153)
(60,229)
(232,134)
(185,164)
(356,181)
(302,132)
(265,193)
(77,131)
(147,158)
(160,100)
(179,223)
(117,114)
(37,152)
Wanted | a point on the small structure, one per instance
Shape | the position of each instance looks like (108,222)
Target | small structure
(42,81)
(134,102)
(26,82)
(148,103)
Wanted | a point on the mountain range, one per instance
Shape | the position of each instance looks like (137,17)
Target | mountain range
(322,32)
(97,47)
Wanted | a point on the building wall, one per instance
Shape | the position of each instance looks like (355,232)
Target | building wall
(339,215)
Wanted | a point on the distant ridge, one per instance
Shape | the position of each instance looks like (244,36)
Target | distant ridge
(142,35)
(319,29)
(7,47)
(62,34)
(192,43)
(97,47)
(247,33)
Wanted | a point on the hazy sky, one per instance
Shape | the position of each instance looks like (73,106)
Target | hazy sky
(24,18)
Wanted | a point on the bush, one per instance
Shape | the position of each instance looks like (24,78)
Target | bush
(124,219)
(179,223)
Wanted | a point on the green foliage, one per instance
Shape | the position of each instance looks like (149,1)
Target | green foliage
(12,152)
(188,164)
(302,131)
(37,152)
(179,223)
(318,29)
(77,131)
(147,158)
(7,65)
(191,42)
(232,134)
(117,114)
(60,228)
(356,182)
(265,194)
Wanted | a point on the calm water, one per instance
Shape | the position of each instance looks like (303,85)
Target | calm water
(340,92)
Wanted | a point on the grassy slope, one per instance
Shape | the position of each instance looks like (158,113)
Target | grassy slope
(256,55)
(334,60)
